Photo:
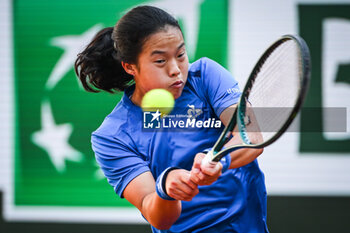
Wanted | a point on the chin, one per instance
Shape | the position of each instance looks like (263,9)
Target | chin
(177,93)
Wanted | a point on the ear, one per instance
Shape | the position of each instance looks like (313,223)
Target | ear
(129,68)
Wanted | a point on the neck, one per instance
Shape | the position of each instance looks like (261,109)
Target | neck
(136,97)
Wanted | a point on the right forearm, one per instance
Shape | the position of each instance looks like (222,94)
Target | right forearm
(160,213)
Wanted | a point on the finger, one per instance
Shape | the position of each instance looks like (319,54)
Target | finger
(194,174)
(188,181)
(197,178)
(200,179)
(181,186)
(204,179)
(212,170)
(202,176)
(181,195)
(196,168)
(186,189)
(198,161)
(193,177)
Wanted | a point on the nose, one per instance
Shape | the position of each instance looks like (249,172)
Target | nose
(174,69)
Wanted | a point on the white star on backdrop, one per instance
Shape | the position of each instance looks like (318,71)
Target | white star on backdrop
(51,137)
(98,175)
(71,45)
(54,139)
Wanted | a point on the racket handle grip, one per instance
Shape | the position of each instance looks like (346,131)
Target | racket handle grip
(207,162)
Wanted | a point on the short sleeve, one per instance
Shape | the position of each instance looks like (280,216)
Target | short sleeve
(221,89)
(119,163)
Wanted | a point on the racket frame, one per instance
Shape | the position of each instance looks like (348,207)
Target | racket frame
(217,151)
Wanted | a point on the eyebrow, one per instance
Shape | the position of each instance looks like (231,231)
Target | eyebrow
(162,52)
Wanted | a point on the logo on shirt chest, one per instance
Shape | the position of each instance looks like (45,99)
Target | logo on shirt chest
(193,112)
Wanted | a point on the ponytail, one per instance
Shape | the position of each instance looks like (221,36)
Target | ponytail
(98,66)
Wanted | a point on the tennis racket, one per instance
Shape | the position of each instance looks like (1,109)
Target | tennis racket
(272,97)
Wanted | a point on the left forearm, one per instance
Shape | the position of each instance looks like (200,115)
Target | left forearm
(242,157)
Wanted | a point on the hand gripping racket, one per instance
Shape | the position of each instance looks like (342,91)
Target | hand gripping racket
(271,99)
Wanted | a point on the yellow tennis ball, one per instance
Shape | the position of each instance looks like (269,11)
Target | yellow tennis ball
(158,99)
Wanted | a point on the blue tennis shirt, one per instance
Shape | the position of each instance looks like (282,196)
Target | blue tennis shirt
(125,148)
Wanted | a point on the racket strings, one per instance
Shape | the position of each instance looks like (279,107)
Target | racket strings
(272,77)
(265,85)
(279,76)
(275,70)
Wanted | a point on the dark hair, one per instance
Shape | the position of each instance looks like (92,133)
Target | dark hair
(99,67)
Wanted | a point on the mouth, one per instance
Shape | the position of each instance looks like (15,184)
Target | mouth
(177,84)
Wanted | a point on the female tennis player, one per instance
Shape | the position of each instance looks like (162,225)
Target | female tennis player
(160,171)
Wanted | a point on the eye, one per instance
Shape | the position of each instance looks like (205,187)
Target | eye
(159,61)
(181,55)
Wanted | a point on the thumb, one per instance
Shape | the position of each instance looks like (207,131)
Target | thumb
(196,167)
(197,162)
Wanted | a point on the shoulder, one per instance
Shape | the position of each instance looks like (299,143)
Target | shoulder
(122,124)
(206,70)
(113,123)
(115,134)
(203,64)
(122,119)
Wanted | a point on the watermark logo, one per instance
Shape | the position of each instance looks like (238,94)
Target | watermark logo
(151,120)
(192,119)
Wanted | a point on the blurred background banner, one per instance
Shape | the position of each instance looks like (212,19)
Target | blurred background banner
(317,161)
(47,168)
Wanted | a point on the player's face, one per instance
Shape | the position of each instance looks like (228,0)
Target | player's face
(163,63)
